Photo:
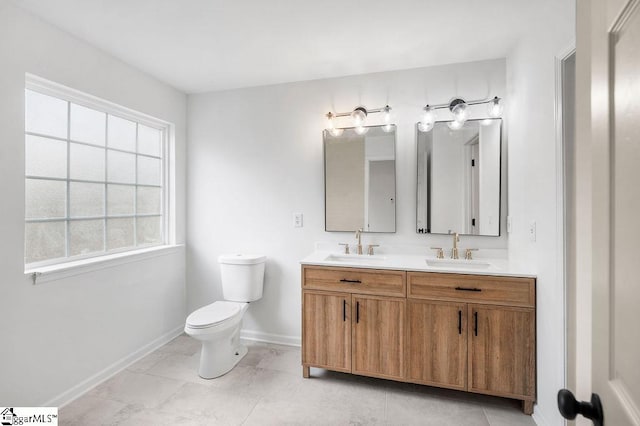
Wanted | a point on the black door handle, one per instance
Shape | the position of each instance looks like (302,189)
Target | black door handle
(357,312)
(475,323)
(569,407)
(468,289)
(344,280)
(344,310)
(459,322)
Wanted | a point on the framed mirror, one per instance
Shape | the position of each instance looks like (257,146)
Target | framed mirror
(360,180)
(458,187)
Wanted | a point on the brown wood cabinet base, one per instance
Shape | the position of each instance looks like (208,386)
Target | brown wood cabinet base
(527,407)
(424,328)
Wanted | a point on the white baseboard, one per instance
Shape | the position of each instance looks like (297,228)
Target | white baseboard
(539,418)
(259,336)
(83,387)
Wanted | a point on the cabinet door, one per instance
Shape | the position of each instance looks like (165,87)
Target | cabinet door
(378,336)
(502,351)
(437,343)
(326,330)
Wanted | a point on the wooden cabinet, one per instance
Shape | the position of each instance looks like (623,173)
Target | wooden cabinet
(502,351)
(437,343)
(326,331)
(378,336)
(460,331)
(346,328)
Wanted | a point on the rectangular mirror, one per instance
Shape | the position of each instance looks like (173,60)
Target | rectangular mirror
(360,180)
(458,186)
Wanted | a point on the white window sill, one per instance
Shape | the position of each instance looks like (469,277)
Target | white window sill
(45,274)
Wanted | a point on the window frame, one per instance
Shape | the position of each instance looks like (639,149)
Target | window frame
(69,95)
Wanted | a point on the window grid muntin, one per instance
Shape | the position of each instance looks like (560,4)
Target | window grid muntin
(163,178)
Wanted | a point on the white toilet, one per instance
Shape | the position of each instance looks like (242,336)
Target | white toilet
(218,325)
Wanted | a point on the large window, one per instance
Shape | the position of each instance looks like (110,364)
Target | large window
(94,178)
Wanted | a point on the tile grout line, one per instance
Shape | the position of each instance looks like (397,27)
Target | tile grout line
(252,409)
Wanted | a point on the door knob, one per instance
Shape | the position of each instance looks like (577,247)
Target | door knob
(569,407)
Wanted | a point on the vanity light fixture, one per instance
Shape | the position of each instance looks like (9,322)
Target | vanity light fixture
(359,116)
(459,109)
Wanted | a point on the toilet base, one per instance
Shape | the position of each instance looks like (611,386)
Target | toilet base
(211,370)
(219,355)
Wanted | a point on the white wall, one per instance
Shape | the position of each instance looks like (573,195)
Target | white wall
(255,157)
(58,334)
(533,191)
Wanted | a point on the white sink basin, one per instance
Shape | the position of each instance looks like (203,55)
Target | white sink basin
(356,259)
(458,263)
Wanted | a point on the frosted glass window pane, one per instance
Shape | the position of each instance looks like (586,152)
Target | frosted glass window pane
(86,199)
(148,230)
(45,199)
(148,200)
(44,241)
(122,133)
(148,140)
(45,115)
(87,162)
(45,157)
(119,233)
(88,125)
(121,167)
(86,236)
(148,171)
(120,199)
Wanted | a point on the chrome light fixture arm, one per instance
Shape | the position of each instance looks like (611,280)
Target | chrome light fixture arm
(459,109)
(359,116)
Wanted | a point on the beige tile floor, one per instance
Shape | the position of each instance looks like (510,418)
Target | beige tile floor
(267,388)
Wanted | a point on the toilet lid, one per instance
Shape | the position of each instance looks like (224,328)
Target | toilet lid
(212,314)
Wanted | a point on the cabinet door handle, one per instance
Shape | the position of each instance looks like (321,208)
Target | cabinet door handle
(357,312)
(459,322)
(468,289)
(344,310)
(344,280)
(475,323)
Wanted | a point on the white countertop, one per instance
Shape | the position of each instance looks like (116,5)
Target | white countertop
(414,262)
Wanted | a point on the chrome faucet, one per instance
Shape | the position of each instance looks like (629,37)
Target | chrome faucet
(359,238)
(454,250)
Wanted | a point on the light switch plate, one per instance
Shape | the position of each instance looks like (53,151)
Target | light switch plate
(297,220)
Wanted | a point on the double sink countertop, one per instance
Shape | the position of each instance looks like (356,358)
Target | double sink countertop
(480,265)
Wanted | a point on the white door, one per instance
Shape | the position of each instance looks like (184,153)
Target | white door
(381,196)
(608,193)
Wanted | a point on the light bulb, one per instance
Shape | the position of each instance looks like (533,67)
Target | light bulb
(429,116)
(330,124)
(425,126)
(494,108)
(387,128)
(361,130)
(336,132)
(455,124)
(460,112)
(359,115)
(386,114)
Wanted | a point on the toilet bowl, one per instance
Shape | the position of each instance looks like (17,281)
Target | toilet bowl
(217,325)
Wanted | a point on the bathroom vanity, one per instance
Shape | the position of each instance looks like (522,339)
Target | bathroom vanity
(472,331)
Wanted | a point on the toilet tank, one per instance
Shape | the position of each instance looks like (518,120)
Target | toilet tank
(242,276)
